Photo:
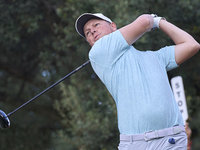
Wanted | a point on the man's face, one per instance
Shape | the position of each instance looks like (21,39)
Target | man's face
(95,29)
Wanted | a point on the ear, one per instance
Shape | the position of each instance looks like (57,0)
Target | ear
(113,26)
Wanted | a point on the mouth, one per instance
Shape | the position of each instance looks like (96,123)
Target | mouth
(96,37)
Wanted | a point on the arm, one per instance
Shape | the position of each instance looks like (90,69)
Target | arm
(136,29)
(186,46)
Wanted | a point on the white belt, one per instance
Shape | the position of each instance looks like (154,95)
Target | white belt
(153,134)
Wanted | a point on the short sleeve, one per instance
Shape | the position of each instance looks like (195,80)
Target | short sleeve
(166,55)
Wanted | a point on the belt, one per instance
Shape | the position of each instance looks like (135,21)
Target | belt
(153,134)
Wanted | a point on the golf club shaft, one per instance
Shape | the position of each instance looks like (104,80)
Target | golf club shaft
(49,87)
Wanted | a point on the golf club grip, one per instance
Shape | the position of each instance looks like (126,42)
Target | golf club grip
(68,75)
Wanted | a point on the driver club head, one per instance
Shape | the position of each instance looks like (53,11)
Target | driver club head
(4,120)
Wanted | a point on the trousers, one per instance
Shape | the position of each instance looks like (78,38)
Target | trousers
(178,142)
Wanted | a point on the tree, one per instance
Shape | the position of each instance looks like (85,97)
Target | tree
(27,33)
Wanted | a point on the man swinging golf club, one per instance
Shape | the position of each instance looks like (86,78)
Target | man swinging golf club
(148,116)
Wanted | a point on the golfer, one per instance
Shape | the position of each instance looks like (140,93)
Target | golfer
(148,115)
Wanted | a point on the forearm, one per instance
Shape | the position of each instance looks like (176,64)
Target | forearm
(186,45)
(136,29)
(176,34)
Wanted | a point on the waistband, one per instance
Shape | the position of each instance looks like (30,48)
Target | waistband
(150,135)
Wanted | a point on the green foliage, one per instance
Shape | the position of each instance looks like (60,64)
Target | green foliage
(90,117)
(39,45)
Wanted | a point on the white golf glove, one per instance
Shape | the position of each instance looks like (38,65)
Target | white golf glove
(156,21)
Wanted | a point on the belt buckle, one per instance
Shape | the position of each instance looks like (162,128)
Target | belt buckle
(145,138)
(156,135)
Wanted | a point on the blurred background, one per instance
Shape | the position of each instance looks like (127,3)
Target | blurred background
(39,45)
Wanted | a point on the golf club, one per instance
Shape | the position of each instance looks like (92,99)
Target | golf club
(4,120)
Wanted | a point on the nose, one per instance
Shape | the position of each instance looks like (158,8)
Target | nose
(93,30)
